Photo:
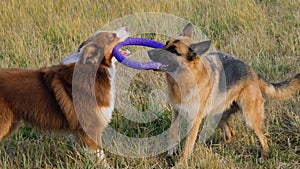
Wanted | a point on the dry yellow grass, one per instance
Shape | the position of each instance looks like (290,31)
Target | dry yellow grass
(264,33)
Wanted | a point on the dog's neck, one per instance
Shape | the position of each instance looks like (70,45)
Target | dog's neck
(108,60)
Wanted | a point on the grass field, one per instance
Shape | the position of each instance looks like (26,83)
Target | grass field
(263,33)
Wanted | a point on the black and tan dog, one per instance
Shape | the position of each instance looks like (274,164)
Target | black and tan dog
(201,84)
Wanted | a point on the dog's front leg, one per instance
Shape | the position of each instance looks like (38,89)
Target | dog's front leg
(174,136)
(93,147)
(191,138)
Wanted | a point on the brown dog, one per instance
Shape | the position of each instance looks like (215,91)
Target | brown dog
(201,84)
(43,98)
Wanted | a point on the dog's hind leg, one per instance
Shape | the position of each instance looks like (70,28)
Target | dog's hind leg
(228,132)
(252,105)
(6,120)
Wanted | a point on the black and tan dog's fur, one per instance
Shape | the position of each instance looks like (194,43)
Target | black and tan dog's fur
(201,84)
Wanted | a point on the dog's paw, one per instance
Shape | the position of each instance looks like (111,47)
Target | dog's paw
(172,155)
(100,154)
(173,151)
(105,165)
(261,160)
(101,157)
(228,134)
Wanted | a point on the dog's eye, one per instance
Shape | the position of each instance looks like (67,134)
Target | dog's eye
(112,37)
(167,43)
(81,45)
(173,50)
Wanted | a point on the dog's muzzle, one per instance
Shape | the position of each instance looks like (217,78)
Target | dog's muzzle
(157,55)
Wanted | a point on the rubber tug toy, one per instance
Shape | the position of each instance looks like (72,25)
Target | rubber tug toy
(134,64)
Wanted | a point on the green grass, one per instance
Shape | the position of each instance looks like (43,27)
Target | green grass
(264,33)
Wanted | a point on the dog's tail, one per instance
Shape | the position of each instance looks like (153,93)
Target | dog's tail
(280,90)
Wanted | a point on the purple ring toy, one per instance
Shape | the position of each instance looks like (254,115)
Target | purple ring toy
(134,64)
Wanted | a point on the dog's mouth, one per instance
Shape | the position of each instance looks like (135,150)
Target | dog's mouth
(157,55)
(162,68)
(125,52)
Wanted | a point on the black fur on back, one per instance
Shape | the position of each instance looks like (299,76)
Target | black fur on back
(232,69)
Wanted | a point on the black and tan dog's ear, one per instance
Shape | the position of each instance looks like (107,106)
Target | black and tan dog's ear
(91,54)
(187,30)
(199,49)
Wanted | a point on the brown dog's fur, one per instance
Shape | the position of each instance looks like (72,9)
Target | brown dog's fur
(43,98)
(201,84)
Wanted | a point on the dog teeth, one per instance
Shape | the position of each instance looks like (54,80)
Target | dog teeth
(164,66)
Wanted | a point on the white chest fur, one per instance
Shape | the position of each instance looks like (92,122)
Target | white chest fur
(190,102)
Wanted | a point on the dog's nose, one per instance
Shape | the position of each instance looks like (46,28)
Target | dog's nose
(127,29)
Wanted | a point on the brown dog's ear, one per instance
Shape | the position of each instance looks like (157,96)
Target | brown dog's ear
(91,54)
(187,30)
(199,49)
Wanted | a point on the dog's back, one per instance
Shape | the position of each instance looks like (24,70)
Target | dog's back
(25,95)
